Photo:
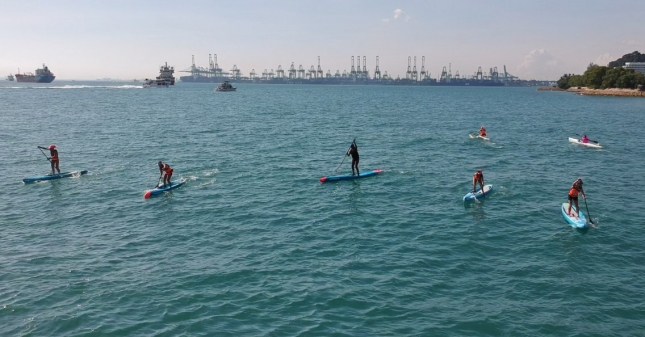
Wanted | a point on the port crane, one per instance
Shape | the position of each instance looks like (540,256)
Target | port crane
(423,68)
(292,72)
(377,71)
(319,71)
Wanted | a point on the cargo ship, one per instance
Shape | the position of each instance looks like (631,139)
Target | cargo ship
(43,75)
(10,77)
(164,80)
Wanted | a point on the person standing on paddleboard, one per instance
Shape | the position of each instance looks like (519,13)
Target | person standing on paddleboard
(53,157)
(353,151)
(166,171)
(573,195)
(478,177)
(482,131)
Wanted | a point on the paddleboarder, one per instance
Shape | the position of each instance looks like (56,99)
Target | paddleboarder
(53,159)
(482,131)
(478,177)
(353,151)
(573,195)
(166,171)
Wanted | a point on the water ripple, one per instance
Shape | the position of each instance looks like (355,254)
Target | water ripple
(253,244)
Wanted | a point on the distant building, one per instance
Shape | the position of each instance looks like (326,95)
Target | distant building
(637,66)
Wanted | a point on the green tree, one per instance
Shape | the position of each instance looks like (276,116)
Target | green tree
(593,76)
(563,82)
(639,78)
(626,81)
(611,77)
(576,81)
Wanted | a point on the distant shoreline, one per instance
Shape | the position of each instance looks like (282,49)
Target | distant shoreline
(599,92)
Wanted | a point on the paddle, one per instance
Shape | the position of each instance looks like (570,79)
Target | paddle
(588,214)
(593,141)
(341,163)
(41,151)
(158,182)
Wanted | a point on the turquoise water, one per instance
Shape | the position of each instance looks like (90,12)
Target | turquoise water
(254,245)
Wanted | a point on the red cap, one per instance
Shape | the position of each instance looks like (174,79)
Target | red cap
(51,147)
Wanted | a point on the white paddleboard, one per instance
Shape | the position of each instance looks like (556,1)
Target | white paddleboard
(478,136)
(590,144)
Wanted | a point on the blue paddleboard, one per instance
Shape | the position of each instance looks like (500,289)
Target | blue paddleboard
(349,176)
(159,190)
(478,194)
(54,176)
(576,219)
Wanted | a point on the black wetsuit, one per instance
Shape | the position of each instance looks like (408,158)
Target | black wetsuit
(353,151)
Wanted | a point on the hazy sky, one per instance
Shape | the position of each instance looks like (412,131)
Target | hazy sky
(131,39)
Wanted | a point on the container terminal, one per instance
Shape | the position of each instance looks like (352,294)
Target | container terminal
(358,74)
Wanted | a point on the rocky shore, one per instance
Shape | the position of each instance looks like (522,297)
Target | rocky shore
(599,92)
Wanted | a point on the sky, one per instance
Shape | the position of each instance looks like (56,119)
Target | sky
(121,39)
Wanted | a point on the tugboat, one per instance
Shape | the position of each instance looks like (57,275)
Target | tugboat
(164,80)
(43,75)
(225,86)
(10,77)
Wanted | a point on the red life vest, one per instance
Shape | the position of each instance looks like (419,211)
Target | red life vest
(575,189)
(167,169)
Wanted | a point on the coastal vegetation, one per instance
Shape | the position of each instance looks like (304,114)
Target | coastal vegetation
(633,57)
(605,77)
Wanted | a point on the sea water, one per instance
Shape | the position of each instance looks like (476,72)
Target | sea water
(255,245)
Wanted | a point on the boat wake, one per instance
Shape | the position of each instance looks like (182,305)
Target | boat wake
(125,86)
(209,173)
(206,182)
(209,182)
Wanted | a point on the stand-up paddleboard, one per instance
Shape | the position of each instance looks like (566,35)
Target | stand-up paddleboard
(54,176)
(159,190)
(349,176)
(590,144)
(478,136)
(576,219)
(478,194)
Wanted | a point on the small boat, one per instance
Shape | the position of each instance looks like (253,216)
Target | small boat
(54,176)
(575,219)
(594,145)
(159,190)
(349,176)
(225,86)
(10,77)
(164,80)
(478,136)
(147,83)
